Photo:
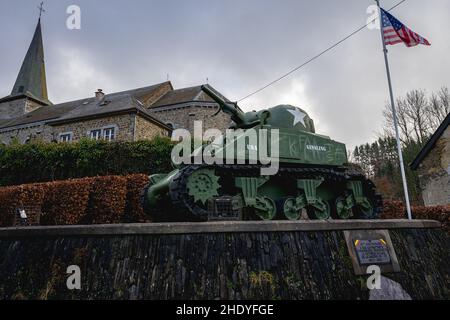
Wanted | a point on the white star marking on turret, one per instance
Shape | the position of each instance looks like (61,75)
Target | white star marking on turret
(298,116)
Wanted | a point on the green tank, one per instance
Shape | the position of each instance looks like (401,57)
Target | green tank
(308,178)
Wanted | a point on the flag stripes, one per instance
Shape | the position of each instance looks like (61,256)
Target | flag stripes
(395,32)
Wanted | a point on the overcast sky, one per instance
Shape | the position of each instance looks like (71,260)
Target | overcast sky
(239,45)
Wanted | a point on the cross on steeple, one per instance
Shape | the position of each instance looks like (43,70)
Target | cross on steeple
(41,9)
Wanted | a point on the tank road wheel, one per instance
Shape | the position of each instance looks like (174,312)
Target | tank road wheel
(364,210)
(343,208)
(265,208)
(293,207)
(320,211)
(203,185)
(367,203)
(290,209)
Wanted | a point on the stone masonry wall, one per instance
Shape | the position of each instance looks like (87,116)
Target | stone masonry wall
(127,128)
(35,131)
(434,172)
(147,130)
(264,265)
(184,117)
(16,108)
(31,106)
(12,109)
(123,124)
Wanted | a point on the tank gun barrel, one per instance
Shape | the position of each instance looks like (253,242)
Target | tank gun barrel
(230,108)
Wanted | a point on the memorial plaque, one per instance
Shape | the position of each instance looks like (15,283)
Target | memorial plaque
(371,247)
(372,251)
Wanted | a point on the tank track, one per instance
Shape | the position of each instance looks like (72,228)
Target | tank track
(188,210)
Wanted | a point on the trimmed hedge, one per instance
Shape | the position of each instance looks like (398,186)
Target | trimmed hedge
(95,200)
(65,202)
(41,162)
(134,212)
(25,196)
(107,202)
(115,199)
(397,210)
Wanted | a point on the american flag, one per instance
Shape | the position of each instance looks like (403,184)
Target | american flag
(395,32)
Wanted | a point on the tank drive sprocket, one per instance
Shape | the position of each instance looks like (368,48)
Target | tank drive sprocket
(203,185)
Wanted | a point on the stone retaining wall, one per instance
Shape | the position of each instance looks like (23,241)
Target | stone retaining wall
(231,260)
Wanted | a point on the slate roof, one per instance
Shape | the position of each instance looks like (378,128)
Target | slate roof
(120,102)
(191,94)
(431,142)
(139,100)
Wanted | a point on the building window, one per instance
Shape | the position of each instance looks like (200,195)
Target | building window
(65,137)
(108,134)
(96,134)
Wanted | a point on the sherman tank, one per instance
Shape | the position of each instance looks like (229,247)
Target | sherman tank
(311,179)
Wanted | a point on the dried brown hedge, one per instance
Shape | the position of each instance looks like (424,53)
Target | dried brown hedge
(397,210)
(65,202)
(114,199)
(97,200)
(393,210)
(134,211)
(107,202)
(24,196)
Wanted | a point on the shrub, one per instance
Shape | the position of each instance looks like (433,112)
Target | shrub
(107,201)
(11,198)
(7,214)
(393,210)
(65,202)
(40,162)
(134,210)
(397,210)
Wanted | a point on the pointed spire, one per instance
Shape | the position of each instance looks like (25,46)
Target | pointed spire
(31,80)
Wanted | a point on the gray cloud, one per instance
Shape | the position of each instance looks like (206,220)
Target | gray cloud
(240,46)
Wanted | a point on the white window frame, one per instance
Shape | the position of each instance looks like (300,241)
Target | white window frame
(98,133)
(62,137)
(110,137)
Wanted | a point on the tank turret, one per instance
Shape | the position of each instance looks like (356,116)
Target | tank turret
(281,116)
(241,120)
(290,117)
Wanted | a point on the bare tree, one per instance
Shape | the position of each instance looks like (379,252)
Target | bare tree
(416,114)
(403,120)
(438,106)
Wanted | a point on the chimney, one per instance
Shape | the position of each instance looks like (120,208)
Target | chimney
(99,95)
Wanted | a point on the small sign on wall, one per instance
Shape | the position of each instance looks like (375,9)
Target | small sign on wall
(371,247)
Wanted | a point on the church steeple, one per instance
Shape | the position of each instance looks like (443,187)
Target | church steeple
(31,80)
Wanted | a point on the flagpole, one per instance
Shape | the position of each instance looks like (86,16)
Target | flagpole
(394,114)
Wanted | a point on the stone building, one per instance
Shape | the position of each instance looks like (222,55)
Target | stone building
(27,114)
(433,166)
